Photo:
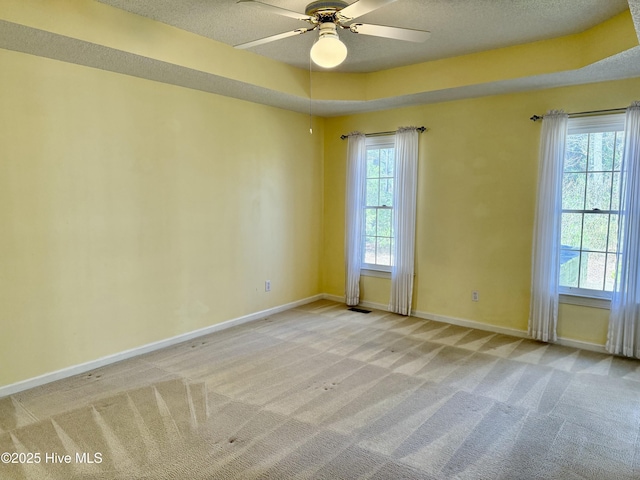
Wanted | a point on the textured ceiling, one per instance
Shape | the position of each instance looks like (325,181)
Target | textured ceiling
(457,26)
(130,45)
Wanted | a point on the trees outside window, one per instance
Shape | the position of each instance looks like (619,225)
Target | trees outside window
(378,232)
(590,205)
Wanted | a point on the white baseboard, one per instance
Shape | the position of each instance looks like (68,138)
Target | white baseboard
(462,322)
(375,306)
(594,347)
(339,299)
(567,342)
(333,298)
(150,347)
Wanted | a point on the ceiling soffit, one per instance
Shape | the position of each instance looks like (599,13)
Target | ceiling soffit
(92,34)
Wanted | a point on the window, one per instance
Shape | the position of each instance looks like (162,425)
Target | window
(590,205)
(378,204)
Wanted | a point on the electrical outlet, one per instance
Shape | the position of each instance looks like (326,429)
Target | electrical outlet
(475,296)
(267,285)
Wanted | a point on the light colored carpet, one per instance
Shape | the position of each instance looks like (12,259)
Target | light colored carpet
(320,392)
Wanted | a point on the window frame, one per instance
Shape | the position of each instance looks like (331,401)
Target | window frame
(373,269)
(582,125)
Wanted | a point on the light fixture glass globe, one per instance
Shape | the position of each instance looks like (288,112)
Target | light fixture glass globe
(328,51)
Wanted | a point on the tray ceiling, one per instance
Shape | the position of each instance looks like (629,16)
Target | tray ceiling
(477,47)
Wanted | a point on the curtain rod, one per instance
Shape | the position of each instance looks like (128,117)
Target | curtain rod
(535,118)
(380,134)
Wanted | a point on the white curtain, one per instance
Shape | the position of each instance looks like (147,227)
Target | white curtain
(624,321)
(404,221)
(543,315)
(356,174)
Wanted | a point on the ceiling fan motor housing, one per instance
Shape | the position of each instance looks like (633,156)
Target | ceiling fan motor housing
(321,6)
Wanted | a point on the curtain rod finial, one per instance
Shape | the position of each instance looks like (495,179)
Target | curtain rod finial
(535,118)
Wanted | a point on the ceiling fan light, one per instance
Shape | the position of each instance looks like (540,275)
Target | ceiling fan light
(328,51)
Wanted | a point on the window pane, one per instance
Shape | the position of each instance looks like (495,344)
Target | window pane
(595,231)
(608,144)
(384,222)
(383,256)
(373,163)
(372,199)
(619,147)
(386,162)
(378,214)
(613,234)
(576,154)
(370,250)
(594,162)
(573,185)
(393,230)
(592,270)
(571,230)
(598,191)
(370,219)
(615,192)
(569,265)
(610,277)
(589,240)
(386,192)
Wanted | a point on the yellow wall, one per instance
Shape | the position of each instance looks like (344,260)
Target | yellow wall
(562,54)
(100,24)
(103,25)
(133,211)
(476,200)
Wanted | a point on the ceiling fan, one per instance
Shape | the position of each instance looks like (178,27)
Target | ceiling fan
(327,16)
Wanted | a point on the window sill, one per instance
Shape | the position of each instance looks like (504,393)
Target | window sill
(366,272)
(583,301)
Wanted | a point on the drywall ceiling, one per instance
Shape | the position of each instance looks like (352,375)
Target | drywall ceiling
(458,26)
(144,40)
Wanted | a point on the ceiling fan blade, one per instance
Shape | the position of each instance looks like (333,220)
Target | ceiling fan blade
(276,10)
(359,8)
(406,34)
(273,38)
